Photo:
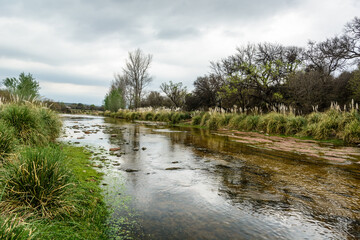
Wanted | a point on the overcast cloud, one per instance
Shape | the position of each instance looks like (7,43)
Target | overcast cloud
(73,48)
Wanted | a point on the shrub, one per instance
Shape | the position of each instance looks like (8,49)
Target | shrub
(164,117)
(213,122)
(328,125)
(13,229)
(351,133)
(235,121)
(50,123)
(175,118)
(149,116)
(156,117)
(26,123)
(204,119)
(224,119)
(314,117)
(249,123)
(39,181)
(7,140)
(196,120)
(295,124)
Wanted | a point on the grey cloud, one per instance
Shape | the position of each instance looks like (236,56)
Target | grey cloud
(57,77)
(91,19)
(176,33)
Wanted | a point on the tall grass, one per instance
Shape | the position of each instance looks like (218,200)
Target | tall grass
(332,124)
(14,229)
(38,181)
(7,141)
(50,123)
(33,125)
(25,121)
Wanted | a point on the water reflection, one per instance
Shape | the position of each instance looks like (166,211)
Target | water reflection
(189,184)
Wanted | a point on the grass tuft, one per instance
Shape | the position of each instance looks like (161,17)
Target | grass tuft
(38,181)
(7,141)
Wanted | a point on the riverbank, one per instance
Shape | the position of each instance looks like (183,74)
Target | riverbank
(331,136)
(48,190)
(330,125)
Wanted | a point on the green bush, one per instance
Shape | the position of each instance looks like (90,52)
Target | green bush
(26,123)
(273,123)
(204,119)
(235,121)
(7,140)
(328,125)
(295,124)
(351,133)
(249,123)
(38,181)
(314,117)
(50,123)
(213,122)
(157,117)
(224,119)
(149,116)
(196,120)
(13,229)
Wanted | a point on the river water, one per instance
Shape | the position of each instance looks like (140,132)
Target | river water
(184,183)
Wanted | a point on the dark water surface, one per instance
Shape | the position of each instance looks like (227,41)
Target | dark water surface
(190,184)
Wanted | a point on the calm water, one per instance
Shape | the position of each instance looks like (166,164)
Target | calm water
(189,184)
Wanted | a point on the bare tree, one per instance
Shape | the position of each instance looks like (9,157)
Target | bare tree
(176,92)
(136,75)
(340,49)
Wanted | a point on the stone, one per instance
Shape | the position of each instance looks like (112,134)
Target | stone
(172,168)
(114,149)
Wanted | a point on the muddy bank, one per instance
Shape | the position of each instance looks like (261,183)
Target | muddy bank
(308,148)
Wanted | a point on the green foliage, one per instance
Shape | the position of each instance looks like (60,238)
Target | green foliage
(236,120)
(196,120)
(25,87)
(114,100)
(88,221)
(176,92)
(38,181)
(204,119)
(354,85)
(314,117)
(7,140)
(276,123)
(26,123)
(328,125)
(50,123)
(14,229)
(213,122)
(351,132)
(249,123)
(149,116)
(295,124)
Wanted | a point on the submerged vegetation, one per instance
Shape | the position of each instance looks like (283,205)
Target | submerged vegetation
(46,189)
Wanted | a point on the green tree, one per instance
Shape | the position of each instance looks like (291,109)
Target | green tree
(354,84)
(25,87)
(176,92)
(113,100)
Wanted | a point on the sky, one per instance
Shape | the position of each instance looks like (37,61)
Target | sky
(73,48)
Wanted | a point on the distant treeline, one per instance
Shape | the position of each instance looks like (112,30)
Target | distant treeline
(263,76)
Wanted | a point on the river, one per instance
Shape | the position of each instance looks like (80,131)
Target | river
(187,183)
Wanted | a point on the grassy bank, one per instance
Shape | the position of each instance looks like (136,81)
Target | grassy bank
(47,190)
(328,125)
